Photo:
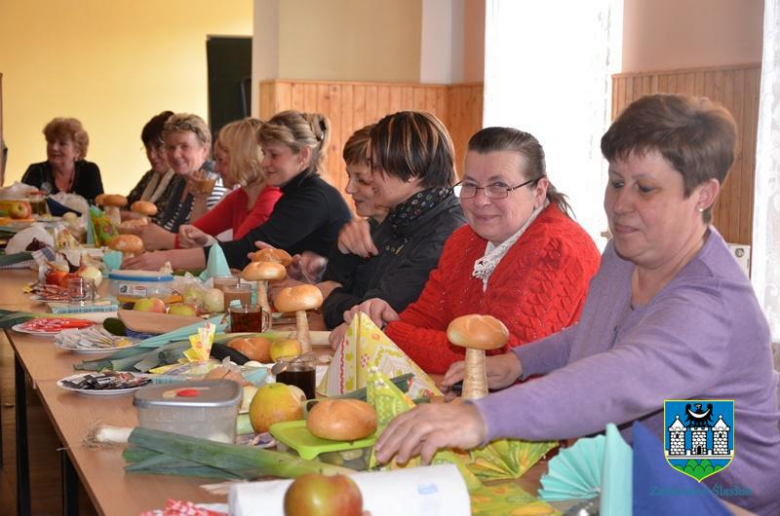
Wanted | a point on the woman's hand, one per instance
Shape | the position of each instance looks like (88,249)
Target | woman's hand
(377,309)
(501,370)
(312,265)
(190,236)
(428,428)
(146,261)
(307,267)
(155,237)
(337,335)
(355,238)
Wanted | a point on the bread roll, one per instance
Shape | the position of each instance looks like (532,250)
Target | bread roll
(264,271)
(114,200)
(300,297)
(127,244)
(477,332)
(255,348)
(271,254)
(144,208)
(342,420)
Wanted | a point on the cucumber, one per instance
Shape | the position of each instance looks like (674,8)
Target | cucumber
(115,326)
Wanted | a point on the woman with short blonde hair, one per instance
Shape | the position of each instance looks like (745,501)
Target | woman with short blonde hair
(238,157)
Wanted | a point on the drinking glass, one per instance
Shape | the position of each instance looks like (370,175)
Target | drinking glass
(81,291)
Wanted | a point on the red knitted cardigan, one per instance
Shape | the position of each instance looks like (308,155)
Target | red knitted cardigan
(537,289)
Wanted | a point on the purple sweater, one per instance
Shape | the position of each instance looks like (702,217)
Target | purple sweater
(703,336)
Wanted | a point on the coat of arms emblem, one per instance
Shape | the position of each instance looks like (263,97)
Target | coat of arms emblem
(699,436)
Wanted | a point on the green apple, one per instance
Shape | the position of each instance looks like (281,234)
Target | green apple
(285,348)
(275,403)
(182,309)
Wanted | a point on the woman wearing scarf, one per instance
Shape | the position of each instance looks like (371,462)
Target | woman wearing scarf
(412,163)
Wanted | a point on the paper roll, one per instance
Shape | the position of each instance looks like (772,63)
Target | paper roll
(424,491)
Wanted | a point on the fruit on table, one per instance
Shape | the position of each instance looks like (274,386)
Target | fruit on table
(55,277)
(19,210)
(214,300)
(285,348)
(182,309)
(314,494)
(275,403)
(91,272)
(64,280)
(150,304)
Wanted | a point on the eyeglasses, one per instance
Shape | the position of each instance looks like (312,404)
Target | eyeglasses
(469,190)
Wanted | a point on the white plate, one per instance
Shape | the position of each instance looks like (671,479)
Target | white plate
(20,329)
(95,392)
(93,351)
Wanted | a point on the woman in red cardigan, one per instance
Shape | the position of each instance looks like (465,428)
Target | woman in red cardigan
(521,258)
(238,157)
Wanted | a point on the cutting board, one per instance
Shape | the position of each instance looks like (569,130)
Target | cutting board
(152,322)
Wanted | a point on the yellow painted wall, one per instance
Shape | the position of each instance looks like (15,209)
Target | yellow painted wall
(359,40)
(112,64)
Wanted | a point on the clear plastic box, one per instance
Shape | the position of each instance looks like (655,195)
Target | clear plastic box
(200,408)
(130,283)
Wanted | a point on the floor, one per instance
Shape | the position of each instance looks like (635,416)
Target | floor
(45,474)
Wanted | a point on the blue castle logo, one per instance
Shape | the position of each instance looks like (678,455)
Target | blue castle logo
(699,436)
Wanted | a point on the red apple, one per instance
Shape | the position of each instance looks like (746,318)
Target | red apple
(150,304)
(19,210)
(55,277)
(319,495)
(68,276)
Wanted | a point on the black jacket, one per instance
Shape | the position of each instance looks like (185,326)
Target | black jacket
(308,217)
(397,276)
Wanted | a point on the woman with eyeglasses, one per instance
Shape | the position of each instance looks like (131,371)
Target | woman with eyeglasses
(521,258)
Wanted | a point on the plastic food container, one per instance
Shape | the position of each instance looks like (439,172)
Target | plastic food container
(130,283)
(200,408)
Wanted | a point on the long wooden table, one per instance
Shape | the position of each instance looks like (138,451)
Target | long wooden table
(101,470)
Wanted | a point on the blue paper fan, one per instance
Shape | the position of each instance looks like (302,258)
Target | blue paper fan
(575,473)
(598,465)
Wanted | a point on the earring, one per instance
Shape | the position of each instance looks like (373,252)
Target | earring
(701,209)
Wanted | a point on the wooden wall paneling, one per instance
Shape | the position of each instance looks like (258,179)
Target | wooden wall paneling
(296,99)
(352,105)
(737,88)
(749,136)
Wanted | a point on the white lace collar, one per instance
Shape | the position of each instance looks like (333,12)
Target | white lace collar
(484,267)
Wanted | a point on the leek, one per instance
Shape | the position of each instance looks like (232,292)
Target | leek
(244,461)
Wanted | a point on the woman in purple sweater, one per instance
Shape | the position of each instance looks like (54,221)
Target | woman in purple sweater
(670,315)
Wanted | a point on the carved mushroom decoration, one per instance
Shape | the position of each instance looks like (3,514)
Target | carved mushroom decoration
(299,299)
(262,273)
(476,333)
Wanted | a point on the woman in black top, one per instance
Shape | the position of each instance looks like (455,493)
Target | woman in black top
(310,213)
(412,172)
(65,169)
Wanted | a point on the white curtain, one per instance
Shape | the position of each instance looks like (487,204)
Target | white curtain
(766,210)
(548,66)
